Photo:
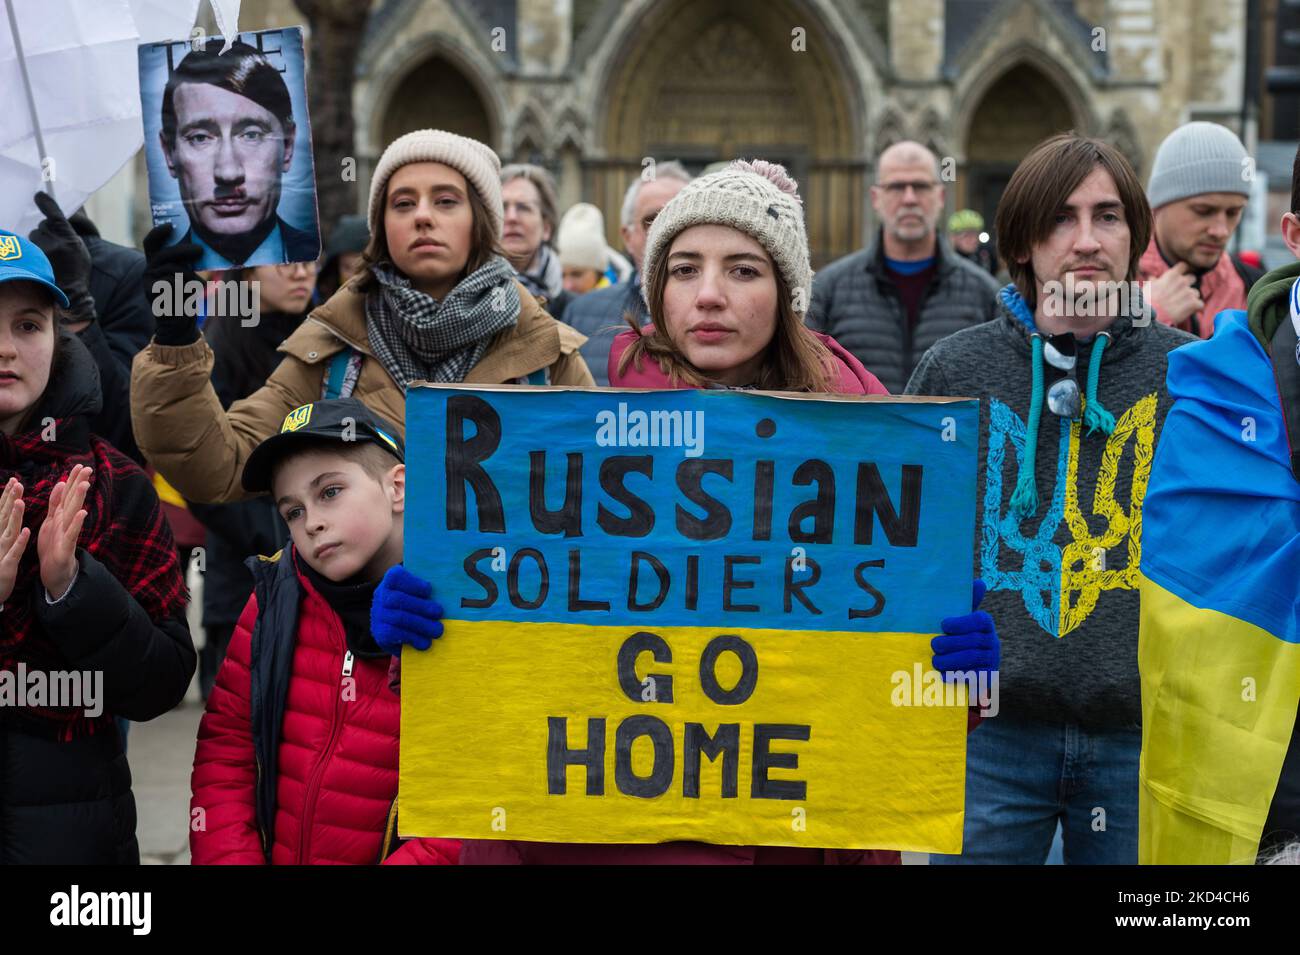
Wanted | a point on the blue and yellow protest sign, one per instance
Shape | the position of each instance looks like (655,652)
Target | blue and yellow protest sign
(700,615)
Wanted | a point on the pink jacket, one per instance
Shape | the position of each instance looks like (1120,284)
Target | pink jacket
(1221,288)
(854,379)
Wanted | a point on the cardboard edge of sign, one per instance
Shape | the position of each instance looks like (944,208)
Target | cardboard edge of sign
(788,395)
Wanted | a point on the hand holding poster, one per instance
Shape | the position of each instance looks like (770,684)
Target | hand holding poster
(683,615)
(228,143)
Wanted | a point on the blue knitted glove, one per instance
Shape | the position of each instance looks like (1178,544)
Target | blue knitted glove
(403,611)
(969,642)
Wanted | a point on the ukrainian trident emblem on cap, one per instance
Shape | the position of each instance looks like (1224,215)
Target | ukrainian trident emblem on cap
(296,419)
(9,248)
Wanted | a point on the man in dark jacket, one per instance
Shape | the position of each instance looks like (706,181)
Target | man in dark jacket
(600,314)
(890,302)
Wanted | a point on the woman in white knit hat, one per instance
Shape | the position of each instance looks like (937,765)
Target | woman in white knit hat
(727,283)
(584,258)
(727,278)
(435,301)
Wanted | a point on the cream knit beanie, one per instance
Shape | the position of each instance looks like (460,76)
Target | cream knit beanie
(480,166)
(581,238)
(760,199)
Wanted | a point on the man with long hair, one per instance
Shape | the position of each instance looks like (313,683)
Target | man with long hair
(1070,378)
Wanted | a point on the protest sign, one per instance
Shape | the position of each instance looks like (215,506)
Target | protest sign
(687,614)
(228,145)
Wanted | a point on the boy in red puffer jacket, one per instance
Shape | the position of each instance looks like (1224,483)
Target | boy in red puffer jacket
(296,761)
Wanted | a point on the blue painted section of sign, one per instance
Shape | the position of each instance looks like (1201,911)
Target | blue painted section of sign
(924,454)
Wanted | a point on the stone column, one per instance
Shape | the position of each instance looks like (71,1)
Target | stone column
(916,39)
(545,35)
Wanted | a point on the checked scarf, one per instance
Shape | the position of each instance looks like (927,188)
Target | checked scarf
(416,337)
(124,530)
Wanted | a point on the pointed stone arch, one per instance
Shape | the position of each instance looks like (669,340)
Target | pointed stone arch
(1016,108)
(388,87)
(890,128)
(530,139)
(1121,133)
(571,130)
(458,107)
(710,80)
(933,132)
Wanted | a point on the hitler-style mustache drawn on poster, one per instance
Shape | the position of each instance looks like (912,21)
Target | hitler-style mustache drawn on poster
(228,147)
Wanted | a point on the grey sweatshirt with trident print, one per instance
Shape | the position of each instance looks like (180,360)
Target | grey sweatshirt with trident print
(1062,581)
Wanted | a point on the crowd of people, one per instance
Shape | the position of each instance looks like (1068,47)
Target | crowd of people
(135,434)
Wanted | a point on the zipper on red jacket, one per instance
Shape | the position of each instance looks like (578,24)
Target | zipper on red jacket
(390,832)
(261,826)
(313,785)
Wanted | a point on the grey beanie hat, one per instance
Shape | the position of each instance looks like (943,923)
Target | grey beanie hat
(1198,158)
(480,166)
(758,198)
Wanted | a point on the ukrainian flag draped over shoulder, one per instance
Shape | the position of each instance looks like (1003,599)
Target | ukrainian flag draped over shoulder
(1218,651)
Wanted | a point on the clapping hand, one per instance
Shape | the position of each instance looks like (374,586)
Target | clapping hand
(56,544)
(13,536)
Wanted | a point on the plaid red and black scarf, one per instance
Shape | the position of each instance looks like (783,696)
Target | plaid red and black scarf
(124,530)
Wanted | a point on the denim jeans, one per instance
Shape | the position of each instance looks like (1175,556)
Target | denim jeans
(1023,776)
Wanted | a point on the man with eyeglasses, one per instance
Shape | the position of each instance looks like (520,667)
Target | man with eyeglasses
(602,314)
(890,302)
(1071,382)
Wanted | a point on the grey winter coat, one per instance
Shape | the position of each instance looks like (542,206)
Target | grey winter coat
(856,303)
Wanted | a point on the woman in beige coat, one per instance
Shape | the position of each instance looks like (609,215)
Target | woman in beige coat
(435,302)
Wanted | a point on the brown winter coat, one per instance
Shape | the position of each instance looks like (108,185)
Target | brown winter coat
(201,449)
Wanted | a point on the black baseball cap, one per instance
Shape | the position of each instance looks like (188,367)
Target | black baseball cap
(345,420)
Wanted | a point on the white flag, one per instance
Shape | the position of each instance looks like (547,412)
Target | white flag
(227,14)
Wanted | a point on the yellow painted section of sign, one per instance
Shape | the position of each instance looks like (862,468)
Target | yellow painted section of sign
(476,719)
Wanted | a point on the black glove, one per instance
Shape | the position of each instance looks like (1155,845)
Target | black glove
(170,264)
(82,224)
(68,256)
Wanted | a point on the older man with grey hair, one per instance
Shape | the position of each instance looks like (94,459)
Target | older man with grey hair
(891,301)
(600,315)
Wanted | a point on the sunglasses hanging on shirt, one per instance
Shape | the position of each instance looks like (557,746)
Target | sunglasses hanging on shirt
(1061,376)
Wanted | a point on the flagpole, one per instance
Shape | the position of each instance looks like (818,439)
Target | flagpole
(31,100)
